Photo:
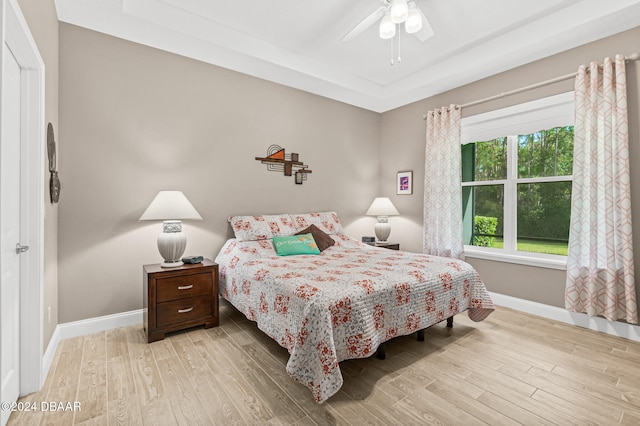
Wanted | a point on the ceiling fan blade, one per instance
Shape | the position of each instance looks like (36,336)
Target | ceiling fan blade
(426,32)
(365,23)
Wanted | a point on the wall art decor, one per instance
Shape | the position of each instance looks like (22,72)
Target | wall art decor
(54,179)
(276,160)
(405,183)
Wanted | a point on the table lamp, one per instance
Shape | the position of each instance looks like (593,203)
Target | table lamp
(171,207)
(383,208)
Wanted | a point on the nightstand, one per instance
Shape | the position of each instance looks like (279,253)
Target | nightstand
(387,245)
(179,298)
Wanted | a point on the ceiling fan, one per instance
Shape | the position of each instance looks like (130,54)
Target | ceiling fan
(391,13)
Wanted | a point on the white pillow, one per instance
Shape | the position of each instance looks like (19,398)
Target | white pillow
(251,228)
(326,221)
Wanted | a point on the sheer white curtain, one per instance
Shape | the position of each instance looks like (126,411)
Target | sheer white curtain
(600,276)
(442,184)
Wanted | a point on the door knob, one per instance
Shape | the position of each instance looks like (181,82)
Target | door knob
(21,249)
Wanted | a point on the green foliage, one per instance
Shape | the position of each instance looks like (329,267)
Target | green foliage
(537,246)
(544,208)
(547,247)
(484,231)
(490,160)
(546,153)
(489,200)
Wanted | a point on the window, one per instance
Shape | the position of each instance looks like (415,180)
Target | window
(516,182)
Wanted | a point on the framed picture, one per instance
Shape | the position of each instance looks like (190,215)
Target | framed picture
(405,183)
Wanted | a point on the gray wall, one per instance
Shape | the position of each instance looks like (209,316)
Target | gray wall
(135,120)
(43,23)
(402,148)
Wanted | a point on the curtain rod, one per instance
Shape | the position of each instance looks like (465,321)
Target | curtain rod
(632,57)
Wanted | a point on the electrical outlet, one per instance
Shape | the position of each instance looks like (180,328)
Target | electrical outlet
(49,314)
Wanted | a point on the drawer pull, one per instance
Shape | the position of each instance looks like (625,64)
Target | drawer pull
(184,311)
(185,287)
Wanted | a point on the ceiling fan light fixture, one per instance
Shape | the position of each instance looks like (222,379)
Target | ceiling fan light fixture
(413,24)
(387,28)
(399,11)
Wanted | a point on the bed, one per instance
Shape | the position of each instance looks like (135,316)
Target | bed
(342,303)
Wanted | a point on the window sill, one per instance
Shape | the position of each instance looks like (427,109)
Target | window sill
(540,261)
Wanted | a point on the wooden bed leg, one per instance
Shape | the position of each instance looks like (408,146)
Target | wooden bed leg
(421,335)
(450,322)
(380,352)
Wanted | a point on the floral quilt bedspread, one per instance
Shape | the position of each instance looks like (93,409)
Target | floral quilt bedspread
(343,303)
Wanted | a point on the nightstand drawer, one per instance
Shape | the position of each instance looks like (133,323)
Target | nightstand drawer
(184,286)
(179,298)
(177,311)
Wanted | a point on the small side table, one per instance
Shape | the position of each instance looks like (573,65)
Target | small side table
(179,298)
(388,245)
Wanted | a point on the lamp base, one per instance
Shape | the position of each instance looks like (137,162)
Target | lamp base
(171,264)
(382,229)
(171,244)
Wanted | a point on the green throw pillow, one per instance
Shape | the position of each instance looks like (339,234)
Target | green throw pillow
(295,244)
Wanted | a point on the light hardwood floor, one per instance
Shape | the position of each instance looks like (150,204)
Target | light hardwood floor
(512,368)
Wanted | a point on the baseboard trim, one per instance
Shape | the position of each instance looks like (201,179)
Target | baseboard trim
(49,354)
(108,322)
(97,324)
(84,327)
(614,328)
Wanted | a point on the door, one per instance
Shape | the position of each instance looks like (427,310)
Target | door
(10,232)
(21,207)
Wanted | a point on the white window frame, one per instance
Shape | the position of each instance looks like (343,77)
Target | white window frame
(522,119)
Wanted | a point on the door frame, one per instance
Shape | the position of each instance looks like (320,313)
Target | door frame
(16,35)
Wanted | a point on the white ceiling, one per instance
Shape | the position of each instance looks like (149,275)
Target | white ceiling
(298,43)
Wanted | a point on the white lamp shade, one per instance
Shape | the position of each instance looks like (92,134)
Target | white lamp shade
(170,205)
(387,28)
(413,24)
(382,206)
(399,11)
